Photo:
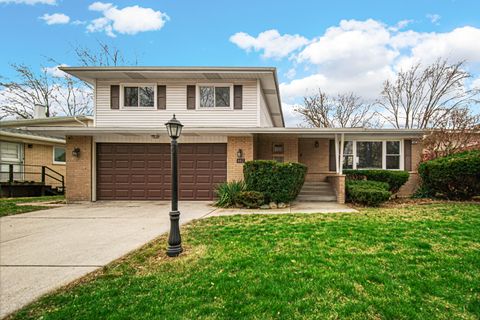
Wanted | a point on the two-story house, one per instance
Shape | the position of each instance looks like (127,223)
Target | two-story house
(230,115)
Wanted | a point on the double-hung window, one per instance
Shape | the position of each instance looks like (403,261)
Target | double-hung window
(348,156)
(392,156)
(141,96)
(215,96)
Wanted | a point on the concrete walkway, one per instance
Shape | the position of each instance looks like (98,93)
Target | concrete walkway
(44,250)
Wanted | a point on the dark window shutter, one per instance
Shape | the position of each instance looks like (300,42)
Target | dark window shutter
(191,97)
(114,96)
(331,156)
(407,155)
(237,97)
(161,97)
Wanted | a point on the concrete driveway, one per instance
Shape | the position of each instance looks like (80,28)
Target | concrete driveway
(44,250)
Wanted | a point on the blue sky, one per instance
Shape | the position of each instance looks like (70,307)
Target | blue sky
(312,43)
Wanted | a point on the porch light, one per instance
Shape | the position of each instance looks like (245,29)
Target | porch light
(239,154)
(174,128)
(317,144)
(76,152)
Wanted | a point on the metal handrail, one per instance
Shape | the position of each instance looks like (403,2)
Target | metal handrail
(43,174)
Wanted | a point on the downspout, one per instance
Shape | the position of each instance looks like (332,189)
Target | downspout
(82,123)
(342,141)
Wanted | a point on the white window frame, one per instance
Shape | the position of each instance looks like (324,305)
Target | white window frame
(197,95)
(384,153)
(122,96)
(53,155)
(19,147)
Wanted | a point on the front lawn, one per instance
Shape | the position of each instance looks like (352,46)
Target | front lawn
(415,262)
(10,206)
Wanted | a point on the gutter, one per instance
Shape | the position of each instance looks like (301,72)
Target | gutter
(31,138)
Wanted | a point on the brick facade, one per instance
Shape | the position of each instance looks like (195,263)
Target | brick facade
(338,185)
(41,155)
(79,170)
(235,169)
(315,158)
(265,147)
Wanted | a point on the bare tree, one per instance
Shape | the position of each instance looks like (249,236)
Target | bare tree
(104,55)
(422,96)
(18,98)
(458,131)
(60,94)
(344,110)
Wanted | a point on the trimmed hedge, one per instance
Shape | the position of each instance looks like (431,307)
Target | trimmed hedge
(279,182)
(369,193)
(251,199)
(455,177)
(395,179)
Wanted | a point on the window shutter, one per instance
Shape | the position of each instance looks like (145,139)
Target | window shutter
(407,155)
(237,97)
(114,97)
(331,156)
(191,99)
(161,97)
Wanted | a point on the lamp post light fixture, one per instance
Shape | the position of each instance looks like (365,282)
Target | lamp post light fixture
(174,129)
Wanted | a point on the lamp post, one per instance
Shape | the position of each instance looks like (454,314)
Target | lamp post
(174,129)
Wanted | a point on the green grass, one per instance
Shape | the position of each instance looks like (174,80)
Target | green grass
(9,206)
(416,262)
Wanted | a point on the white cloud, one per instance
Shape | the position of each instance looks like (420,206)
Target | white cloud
(400,25)
(358,56)
(433,17)
(273,44)
(56,18)
(55,72)
(30,2)
(129,20)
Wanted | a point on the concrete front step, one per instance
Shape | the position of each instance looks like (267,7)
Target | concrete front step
(319,188)
(316,198)
(329,192)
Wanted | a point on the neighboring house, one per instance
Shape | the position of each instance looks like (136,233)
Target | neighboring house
(231,115)
(25,152)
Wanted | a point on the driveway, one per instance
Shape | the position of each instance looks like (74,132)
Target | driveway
(44,250)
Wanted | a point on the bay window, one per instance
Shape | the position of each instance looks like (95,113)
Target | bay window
(373,155)
(215,96)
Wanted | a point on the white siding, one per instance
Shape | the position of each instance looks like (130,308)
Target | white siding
(176,103)
(265,119)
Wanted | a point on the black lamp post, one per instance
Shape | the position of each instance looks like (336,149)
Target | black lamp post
(174,129)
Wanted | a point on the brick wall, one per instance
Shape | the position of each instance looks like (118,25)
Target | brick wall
(265,147)
(316,159)
(338,185)
(41,155)
(234,169)
(79,170)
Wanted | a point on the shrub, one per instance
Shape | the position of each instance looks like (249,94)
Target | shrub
(279,182)
(395,179)
(369,193)
(228,192)
(250,199)
(455,177)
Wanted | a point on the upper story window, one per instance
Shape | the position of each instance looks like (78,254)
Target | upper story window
(59,155)
(215,96)
(139,96)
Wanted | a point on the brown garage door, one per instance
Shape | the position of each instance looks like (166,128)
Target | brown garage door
(142,171)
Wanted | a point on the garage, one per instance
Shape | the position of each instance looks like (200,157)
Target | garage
(141,171)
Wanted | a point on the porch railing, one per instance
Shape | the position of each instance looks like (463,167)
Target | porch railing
(29,173)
